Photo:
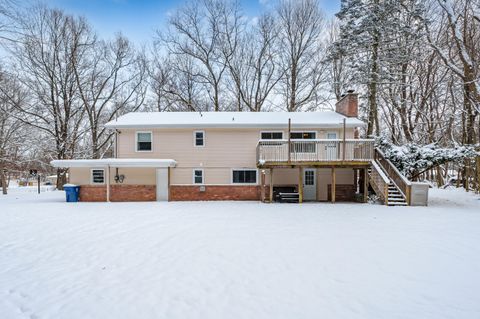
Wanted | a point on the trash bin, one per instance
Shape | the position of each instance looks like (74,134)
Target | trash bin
(71,192)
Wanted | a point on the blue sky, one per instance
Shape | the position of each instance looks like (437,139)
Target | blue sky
(137,19)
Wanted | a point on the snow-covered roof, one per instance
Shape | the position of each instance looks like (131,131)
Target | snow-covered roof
(115,162)
(324,119)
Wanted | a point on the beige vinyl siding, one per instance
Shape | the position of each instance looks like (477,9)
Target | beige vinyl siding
(133,176)
(224,150)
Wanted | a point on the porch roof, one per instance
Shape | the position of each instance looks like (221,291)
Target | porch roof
(115,162)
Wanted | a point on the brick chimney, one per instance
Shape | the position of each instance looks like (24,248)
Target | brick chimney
(348,104)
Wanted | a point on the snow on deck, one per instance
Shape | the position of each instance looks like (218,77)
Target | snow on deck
(238,259)
(322,119)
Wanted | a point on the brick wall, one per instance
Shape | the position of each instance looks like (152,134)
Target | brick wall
(133,193)
(93,193)
(118,193)
(227,192)
(343,193)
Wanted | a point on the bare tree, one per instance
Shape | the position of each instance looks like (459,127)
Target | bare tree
(205,31)
(176,85)
(461,55)
(45,55)
(111,79)
(12,134)
(254,66)
(300,24)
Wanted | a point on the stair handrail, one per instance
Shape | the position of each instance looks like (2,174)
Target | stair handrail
(381,172)
(404,189)
(380,186)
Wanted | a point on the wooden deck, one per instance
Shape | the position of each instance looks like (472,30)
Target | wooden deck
(315,153)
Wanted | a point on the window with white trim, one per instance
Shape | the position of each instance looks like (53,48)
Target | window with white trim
(271,135)
(98,176)
(199,138)
(198,176)
(244,176)
(144,141)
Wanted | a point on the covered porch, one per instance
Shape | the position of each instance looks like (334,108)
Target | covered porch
(120,179)
(321,183)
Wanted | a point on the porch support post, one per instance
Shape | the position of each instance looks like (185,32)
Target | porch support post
(262,190)
(289,144)
(300,185)
(108,182)
(271,185)
(333,188)
(365,185)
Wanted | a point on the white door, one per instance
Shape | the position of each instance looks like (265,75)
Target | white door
(309,184)
(332,152)
(162,184)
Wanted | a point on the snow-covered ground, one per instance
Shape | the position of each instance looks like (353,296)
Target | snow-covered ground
(238,259)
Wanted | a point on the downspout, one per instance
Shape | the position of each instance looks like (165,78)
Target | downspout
(108,183)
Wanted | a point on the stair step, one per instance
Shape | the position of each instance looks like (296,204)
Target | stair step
(396,199)
(395,196)
(397,204)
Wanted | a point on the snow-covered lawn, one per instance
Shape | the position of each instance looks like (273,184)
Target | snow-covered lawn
(238,259)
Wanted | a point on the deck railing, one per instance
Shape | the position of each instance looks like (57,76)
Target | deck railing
(315,150)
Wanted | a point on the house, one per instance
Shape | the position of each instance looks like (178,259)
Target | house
(180,156)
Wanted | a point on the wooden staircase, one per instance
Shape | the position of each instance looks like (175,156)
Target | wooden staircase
(388,183)
(395,198)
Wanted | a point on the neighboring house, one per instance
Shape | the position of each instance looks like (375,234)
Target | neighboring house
(231,156)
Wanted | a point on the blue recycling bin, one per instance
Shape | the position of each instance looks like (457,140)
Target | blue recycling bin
(71,192)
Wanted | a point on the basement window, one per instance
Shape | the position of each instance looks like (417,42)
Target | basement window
(198,176)
(244,176)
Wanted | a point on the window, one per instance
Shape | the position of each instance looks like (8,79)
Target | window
(144,141)
(303,147)
(198,176)
(309,177)
(199,138)
(98,176)
(302,135)
(244,176)
(272,135)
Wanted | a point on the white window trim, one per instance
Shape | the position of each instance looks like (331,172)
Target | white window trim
(136,141)
(195,138)
(193,176)
(296,139)
(244,169)
(91,176)
(261,132)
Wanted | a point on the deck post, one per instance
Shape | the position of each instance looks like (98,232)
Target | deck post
(289,145)
(344,138)
(262,190)
(365,185)
(300,185)
(333,188)
(108,182)
(271,185)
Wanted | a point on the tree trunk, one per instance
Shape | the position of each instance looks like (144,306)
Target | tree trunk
(372,92)
(3,180)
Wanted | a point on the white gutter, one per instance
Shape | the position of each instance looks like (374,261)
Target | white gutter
(115,162)
(225,126)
